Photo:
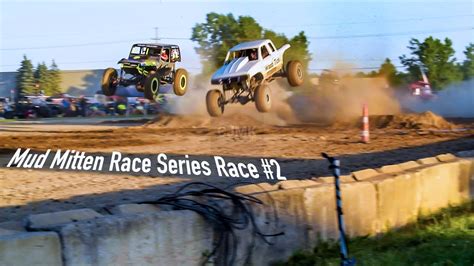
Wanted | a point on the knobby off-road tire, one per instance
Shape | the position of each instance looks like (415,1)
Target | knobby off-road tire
(152,86)
(108,78)
(180,83)
(294,73)
(263,98)
(215,103)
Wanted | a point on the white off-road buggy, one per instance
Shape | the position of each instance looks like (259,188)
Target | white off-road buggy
(247,70)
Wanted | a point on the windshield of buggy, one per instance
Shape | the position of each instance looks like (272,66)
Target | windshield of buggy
(252,54)
(138,50)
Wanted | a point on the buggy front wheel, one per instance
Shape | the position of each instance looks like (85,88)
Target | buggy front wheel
(109,81)
(215,103)
(180,83)
(294,72)
(263,99)
(152,86)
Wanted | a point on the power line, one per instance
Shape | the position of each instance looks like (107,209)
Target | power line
(390,34)
(71,62)
(67,45)
(186,38)
(372,21)
(84,44)
(350,68)
(84,62)
(280,26)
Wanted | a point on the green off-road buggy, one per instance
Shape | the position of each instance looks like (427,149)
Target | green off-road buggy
(148,67)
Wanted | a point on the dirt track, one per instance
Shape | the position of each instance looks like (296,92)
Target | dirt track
(297,147)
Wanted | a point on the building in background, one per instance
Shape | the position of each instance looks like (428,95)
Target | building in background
(73,82)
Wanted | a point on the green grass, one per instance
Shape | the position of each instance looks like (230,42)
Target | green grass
(446,238)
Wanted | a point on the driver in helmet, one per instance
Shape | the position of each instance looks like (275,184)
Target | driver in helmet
(253,54)
(164,55)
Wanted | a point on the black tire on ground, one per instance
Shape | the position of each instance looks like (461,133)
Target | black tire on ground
(152,86)
(108,78)
(263,98)
(180,83)
(215,103)
(294,73)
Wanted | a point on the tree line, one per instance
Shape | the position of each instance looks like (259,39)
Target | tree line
(436,57)
(33,81)
(220,32)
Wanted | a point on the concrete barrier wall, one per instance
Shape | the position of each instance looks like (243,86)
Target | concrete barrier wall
(374,201)
(35,248)
(359,205)
(160,238)
(398,199)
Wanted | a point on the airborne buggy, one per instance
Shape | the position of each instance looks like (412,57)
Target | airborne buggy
(247,70)
(148,67)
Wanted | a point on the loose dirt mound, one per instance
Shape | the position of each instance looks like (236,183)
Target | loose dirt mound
(426,120)
(199,121)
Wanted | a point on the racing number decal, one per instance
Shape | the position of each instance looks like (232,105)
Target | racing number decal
(267,67)
(275,62)
(271,65)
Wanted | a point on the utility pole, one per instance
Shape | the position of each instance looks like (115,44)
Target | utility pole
(156,39)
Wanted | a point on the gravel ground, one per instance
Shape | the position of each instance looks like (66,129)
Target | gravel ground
(297,148)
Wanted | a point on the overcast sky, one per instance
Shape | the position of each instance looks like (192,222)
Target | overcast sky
(346,34)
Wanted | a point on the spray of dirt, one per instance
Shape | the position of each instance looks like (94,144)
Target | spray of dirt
(456,100)
(308,103)
(343,100)
(193,103)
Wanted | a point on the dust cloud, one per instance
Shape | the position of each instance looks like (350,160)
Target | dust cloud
(456,100)
(342,102)
(315,103)
(308,103)
(194,103)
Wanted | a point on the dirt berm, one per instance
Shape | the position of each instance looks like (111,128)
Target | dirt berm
(422,121)
(426,120)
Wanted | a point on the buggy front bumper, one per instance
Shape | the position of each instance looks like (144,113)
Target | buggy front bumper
(229,80)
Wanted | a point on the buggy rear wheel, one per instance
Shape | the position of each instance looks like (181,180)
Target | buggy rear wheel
(215,103)
(152,86)
(294,72)
(180,83)
(263,99)
(109,81)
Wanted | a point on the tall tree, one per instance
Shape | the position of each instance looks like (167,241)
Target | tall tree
(389,71)
(42,78)
(278,39)
(214,37)
(220,32)
(248,29)
(25,79)
(54,79)
(299,50)
(468,64)
(437,57)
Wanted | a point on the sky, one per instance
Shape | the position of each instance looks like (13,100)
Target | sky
(343,34)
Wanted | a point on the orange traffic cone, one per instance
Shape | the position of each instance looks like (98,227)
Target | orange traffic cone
(365,124)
